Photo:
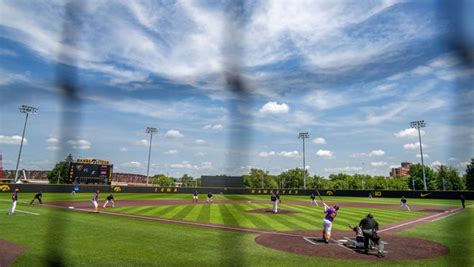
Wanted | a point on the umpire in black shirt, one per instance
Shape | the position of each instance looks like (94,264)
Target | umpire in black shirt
(38,196)
(369,228)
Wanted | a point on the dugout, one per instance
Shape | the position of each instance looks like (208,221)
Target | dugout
(222,181)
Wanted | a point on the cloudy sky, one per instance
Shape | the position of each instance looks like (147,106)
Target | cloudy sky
(351,74)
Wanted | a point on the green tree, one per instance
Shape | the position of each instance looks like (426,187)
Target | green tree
(162,180)
(258,178)
(60,172)
(416,173)
(469,176)
(292,178)
(450,178)
(187,181)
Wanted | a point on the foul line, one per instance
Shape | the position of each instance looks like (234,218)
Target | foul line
(28,212)
(451,212)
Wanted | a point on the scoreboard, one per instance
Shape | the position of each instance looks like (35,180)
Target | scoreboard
(90,171)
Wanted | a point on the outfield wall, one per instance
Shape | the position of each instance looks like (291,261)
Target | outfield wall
(248,191)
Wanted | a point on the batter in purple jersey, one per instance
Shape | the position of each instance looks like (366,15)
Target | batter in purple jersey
(331,214)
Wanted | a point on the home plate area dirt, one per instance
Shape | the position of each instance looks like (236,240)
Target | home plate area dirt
(396,247)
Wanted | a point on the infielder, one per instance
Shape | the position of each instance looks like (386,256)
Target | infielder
(369,228)
(313,199)
(38,196)
(403,203)
(95,200)
(110,199)
(11,211)
(195,196)
(209,198)
(331,214)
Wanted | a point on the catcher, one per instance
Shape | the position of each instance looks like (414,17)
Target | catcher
(359,240)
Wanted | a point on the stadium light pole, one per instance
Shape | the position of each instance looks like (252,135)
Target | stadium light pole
(304,136)
(417,125)
(151,131)
(27,110)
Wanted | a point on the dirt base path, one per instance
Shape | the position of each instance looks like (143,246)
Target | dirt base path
(9,252)
(397,247)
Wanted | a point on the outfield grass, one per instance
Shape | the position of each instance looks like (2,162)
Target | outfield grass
(101,240)
(307,218)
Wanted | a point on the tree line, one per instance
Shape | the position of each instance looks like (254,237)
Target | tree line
(440,178)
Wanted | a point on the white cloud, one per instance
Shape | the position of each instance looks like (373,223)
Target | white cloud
(325,153)
(142,142)
(264,154)
(53,148)
(319,141)
(378,163)
(410,132)
(171,152)
(452,159)
(133,164)
(425,156)
(200,154)
(288,154)
(52,140)
(12,140)
(80,144)
(343,169)
(200,142)
(322,99)
(436,163)
(206,165)
(216,127)
(274,108)
(174,134)
(377,153)
(422,70)
(358,155)
(123,149)
(413,146)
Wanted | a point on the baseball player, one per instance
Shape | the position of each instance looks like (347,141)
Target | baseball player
(403,203)
(359,240)
(38,196)
(110,199)
(95,200)
(11,211)
(209,198)
(463,201)
(369,228)
(275,201)
(313,199)
(195,196)
(331,214)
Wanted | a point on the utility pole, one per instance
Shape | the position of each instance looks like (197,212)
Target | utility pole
(417,125)
(304,136)
(27,110)
(151,131)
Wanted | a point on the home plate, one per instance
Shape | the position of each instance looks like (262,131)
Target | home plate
(71,207)
(342,240)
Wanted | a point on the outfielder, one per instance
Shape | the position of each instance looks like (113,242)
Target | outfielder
(110,199)
(403,203)
(11,211)
(95,200)
(331,214)
(195,196)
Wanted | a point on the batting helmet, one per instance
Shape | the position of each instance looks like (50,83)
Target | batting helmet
(336,207)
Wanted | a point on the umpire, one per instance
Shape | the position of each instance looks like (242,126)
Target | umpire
(369,228)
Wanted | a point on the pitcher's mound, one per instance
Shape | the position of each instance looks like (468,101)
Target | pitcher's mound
(9,252)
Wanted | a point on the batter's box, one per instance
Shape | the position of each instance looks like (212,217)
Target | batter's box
(318,241)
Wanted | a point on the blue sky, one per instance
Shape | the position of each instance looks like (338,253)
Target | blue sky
(352,74)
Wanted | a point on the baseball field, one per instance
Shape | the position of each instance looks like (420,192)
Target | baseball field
(235,230)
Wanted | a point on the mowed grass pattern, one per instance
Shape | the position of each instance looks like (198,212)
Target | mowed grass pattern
(306,218)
